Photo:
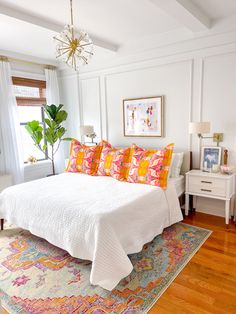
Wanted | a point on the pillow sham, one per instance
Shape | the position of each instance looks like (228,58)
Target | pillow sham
(176,164)
(84,158)
(150,166)
(167,162)
(114,162)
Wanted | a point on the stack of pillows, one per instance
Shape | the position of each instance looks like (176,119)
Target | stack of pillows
(133,164)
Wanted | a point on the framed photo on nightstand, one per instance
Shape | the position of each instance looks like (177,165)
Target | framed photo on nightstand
(210,156)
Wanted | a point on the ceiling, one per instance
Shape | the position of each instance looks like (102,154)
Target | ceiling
(216,9)
(115,25)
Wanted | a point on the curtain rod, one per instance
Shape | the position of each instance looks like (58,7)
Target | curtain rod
(47,66)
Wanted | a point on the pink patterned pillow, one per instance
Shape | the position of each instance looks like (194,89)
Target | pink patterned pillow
(84,158)
(114,162)
(146,166)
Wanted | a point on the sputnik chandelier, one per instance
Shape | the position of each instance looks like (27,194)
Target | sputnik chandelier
(74,50)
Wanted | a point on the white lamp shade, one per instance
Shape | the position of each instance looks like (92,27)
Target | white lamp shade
(199,127)
(86,130)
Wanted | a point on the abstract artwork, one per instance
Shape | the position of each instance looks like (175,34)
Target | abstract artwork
(143,116)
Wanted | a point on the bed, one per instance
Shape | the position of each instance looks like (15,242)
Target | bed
(179,184)
(93,218)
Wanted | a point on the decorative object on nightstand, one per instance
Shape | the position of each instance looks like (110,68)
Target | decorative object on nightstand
(5,181)
(226,155)
(88,130)
(200,128)
(227,169)
(210,159)
(211,185)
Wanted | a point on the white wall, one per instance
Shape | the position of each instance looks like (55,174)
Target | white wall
(151,81)
(198,80)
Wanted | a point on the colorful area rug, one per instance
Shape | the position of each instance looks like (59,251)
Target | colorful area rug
(37,277)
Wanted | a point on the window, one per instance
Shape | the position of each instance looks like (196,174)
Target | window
(30,97)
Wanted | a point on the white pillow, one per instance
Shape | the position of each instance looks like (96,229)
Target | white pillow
(176,164)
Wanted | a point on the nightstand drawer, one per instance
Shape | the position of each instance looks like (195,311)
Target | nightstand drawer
(208,185)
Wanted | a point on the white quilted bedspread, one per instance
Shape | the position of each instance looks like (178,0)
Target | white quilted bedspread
(93,218)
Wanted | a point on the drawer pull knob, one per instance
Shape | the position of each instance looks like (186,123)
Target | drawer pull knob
(205,190)
(206,182)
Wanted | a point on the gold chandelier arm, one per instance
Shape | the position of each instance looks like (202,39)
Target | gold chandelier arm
(83,58)
(64,48)
(69,40)
(62,41)
(85,45)
(69,56)
(89,52)
(62,53)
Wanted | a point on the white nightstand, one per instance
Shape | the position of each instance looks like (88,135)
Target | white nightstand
(211,185)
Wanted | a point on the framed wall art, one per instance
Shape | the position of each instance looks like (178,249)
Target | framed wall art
(143,116)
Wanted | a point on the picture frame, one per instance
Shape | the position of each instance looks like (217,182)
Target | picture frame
(143,117)
(210,155)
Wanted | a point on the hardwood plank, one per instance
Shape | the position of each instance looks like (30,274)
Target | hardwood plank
(3,311)
(208,283)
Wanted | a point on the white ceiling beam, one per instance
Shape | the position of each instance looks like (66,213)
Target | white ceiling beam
(52,26)
(185,12)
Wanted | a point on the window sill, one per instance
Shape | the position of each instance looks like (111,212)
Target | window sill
(38,170)
(38,164)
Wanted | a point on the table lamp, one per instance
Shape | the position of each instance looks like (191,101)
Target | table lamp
(200,128)
(88,130)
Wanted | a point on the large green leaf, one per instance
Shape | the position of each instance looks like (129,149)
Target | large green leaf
(59,107)
(35,130)
(61,132)
(61,116)
(51,111)
(48,122)
(33,126)
(51,136)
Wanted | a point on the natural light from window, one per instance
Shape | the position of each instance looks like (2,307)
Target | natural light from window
(30,97)
(26,91)
(29,113)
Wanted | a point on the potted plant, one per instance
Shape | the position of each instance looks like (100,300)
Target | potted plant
(53,134)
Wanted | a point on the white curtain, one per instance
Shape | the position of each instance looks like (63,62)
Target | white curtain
(53,97)
(10,140)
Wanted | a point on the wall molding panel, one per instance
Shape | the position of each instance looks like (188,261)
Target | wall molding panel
(190,81)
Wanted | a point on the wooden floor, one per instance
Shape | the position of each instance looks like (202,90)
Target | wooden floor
(208,283)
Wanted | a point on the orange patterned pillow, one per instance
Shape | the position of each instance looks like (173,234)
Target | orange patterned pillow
(84,158)
(166,166)
(114,162)
(150,166)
